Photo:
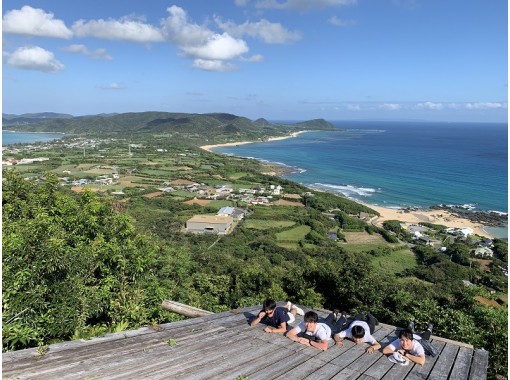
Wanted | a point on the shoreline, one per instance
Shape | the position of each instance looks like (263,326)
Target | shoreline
(293,134)
(443,217)
(439,216)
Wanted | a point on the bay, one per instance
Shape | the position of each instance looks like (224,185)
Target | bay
(397,164)
(10,137)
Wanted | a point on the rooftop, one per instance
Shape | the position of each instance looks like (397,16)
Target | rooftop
(224,346)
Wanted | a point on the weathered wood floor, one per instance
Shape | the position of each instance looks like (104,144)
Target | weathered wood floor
(224,346)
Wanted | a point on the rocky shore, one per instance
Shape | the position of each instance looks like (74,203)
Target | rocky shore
(487,218)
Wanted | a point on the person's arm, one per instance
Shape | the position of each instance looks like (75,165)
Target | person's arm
(276,330)
(418,359)
(259,317)
(292,335)
(375,346)
(338,340)
(321,345)
(388,349)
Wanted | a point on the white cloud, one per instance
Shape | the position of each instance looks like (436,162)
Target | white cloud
(34,58)
(390,106)
(82,49)
(218,47)
(254,58)
(34,22)
(111,86)
(486,105)
(241,3)
(353,107)
(213,65)
(269,32)
(302,4)
(209,50)
(430,106)
(339,22)
(124,29)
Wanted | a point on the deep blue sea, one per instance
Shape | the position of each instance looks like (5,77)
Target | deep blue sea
(10,138)
(398,164)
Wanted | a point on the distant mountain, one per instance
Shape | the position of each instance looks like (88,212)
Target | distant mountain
(208,125)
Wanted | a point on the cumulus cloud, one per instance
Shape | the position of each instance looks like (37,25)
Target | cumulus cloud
(34,22)
(302,5)
(213,65)
(82,49)
(125,29)
(269,32)
(390,106)
(253,58)
(209,50)
(486,105)
(34,58)
(218,47)
(111,86)
(430,106)
(339,22)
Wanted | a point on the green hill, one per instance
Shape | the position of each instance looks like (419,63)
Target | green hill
(198,127)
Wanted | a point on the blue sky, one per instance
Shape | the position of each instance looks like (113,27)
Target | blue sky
(444,60)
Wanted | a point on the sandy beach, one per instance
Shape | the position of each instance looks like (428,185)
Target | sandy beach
(294,134)
(442,217)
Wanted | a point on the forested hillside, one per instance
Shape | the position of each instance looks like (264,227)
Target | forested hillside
(209,126)
(76,265)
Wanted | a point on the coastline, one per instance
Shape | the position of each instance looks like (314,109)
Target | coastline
(441,216)
(293,134)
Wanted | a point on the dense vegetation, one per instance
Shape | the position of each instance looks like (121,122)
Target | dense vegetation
(82,264)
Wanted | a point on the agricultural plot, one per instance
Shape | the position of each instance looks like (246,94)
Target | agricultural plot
(258,224)
(395,262)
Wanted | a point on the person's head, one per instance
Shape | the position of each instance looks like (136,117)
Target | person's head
(268,306)
(406,339)
(311,318)
(358,332)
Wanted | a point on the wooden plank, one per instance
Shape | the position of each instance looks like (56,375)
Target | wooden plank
(479,365)
(325,372)
(419,372)
(186,310)
(304,369)
(379,368)
(280,367)
(444,362)
(460,370)
(254,364)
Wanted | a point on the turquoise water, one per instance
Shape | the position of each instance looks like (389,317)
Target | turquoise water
(398,164)
(10,138)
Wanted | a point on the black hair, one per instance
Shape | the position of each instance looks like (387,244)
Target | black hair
(406,333)
(357,332)
(311,316)
(269,304)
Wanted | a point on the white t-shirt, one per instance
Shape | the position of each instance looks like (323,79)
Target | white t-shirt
(416,349)
(367,338)
(322,331)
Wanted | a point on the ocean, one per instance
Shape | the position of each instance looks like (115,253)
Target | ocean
(398,164)
(10,138)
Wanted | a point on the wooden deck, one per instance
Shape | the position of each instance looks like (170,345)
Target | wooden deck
(224,346)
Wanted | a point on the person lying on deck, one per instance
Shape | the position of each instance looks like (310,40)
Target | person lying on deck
(276,318)
(311,332)
(408,346)
(358,329)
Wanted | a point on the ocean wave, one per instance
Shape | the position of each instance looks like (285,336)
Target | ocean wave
(347,190)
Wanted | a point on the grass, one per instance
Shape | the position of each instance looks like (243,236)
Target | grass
(294,234)
(258,224)
(395,262)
